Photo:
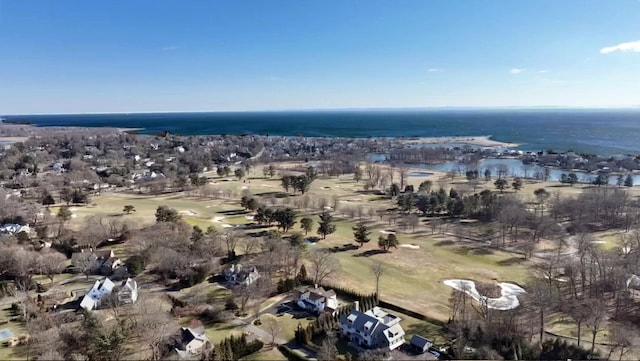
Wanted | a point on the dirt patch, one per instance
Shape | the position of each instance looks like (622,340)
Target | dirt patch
(490,290)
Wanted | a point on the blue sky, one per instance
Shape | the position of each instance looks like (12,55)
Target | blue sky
(68,56)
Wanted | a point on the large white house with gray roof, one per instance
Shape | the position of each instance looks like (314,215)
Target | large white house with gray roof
(375,328)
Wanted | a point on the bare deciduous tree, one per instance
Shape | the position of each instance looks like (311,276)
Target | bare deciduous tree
(51,263)
(377,269)
(596,320)
(323,265)
(274,328)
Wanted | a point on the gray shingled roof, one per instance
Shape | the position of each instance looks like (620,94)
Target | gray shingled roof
(420,341)
(360,321)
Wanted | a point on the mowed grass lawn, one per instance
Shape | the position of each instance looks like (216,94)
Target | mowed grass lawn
(413,277)
(194,210)
(267,353)
(287,323)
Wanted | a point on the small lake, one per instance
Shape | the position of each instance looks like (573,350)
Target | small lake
(515,168)
(420,174)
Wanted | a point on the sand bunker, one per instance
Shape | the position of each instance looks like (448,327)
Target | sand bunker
(224,225)
(384,231)
(249,218)
(188,212)
(411,246)
(508,300)
(217,219)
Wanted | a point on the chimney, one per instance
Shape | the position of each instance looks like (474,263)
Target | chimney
(356,305)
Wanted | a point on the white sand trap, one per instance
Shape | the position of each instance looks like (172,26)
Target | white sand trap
(599,242)
(189,212)
(411,246)
(509,291)
(328,208)
(224,225)
(217,219)
(244,187)
(384,231)
(73,215)
(73,209)
(249,218)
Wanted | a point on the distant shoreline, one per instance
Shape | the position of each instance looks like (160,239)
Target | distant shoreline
(477,140)
(603,132)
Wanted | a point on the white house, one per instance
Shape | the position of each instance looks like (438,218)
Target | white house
(126,292)
(238,275)
(191,343)
(91,300)
(318,299)
(12,228)
(375,328)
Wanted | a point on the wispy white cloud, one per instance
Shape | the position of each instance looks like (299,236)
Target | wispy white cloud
(435,70)
(544,71)
(516,71)
(169,48)
(632,46)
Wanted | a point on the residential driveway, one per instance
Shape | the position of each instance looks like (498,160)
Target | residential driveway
(257,332)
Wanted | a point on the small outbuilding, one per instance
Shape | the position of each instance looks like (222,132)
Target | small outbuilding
(420,344)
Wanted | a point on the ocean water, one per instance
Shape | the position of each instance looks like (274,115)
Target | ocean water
(600,131)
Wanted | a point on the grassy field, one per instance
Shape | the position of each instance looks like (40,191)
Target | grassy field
(436,259)
(287,323)
(425,268)
(267,353)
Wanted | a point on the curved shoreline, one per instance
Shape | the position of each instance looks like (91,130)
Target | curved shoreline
(478,140)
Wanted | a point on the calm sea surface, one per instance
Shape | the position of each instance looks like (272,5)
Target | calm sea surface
(582,130)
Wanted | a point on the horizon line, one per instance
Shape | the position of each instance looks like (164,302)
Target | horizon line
(530,107)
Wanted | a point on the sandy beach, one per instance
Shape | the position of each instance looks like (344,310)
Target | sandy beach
(11,140)
(480,140)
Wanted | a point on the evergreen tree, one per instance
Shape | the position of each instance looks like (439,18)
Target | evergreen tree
(628,182)
(306,223)
(302,274)
(285,218)
(501,184)
(517,184)
(326,225)
(361,234)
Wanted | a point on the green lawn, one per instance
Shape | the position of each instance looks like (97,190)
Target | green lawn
(220,331)
(267,353)
(287,323)
(424,269)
